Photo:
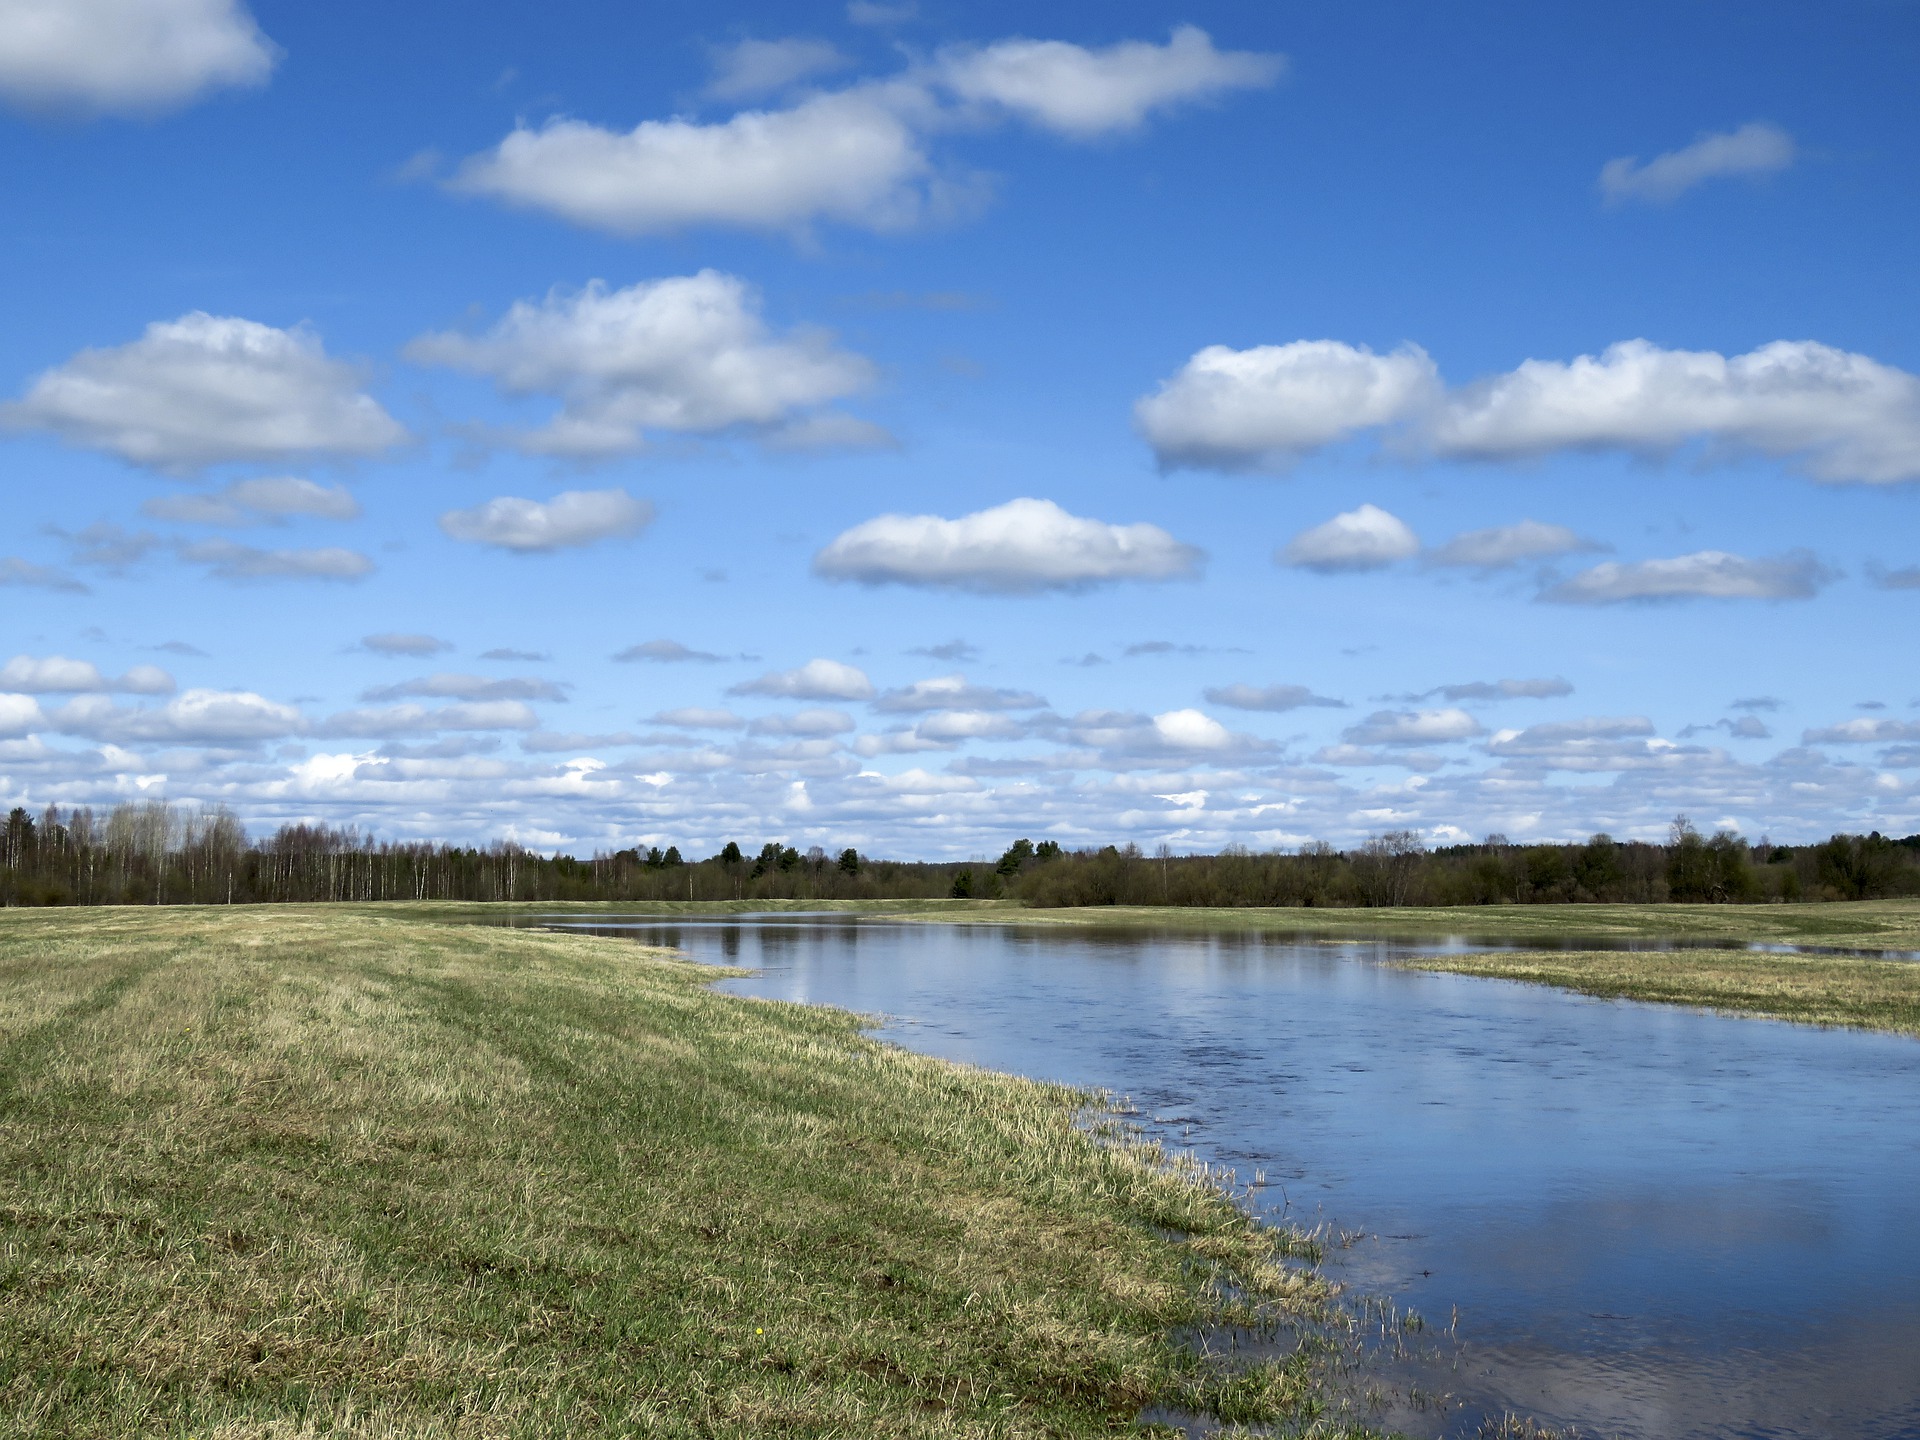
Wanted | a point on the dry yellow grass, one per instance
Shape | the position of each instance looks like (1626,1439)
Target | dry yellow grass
(1815,989)
(304,1172)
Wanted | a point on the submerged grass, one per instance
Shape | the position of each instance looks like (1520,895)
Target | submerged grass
(297,1171)
(1815,989)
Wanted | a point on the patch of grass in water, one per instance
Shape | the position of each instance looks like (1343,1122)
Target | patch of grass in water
(1814,989)
(299,1172)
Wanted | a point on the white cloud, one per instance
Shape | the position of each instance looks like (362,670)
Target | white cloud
(194,717)
(804,723)
(1503,545)
(689,354)
(418,719)
(1537,689)
(1593,744)
(1756,148)
(1842,416)
(1021,547)
(954,692)
(232,561)
(56,674)
(1083,93)
(1413,727)
(850,156)
(1191,730)
(950,727)
(750,68)
(666,652)
(696,717)
(1270,405)
(573,517)
(1863,732)
(1275,698)
(1710,574)
(871,12)
(1364,539)
(446,686)
(815,680)
(401,643)
(205,390)
(20,715)
(266,498)
(126,56)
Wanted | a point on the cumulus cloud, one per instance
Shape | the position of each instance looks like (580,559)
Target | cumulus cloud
(1021,547)
(1907,578)
(1364,539)
(127,56)
(1863,731)
(1756,148)
(1503,545)
(1541,688)
(1274,698)
(56,674)
(1083,93)
(399,643)
(16,571)
(1596,743)
(1270,405)
(1413,727)
(851,156)
(666,652)
(264,499)
(954,692)
(232,561)
(1709,574)
(689,354)
(958,651)
(750,68)
(696,717)
(815,680)
(447,686)
(206,390)
(857,155)
(195,717)
(1841,416)
(571,518)
(506,652)
(1172,736)
(810,723)
(419,720)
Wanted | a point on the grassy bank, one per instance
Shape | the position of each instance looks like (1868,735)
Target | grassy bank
(290,1172)
(1820,990)
(1863,924)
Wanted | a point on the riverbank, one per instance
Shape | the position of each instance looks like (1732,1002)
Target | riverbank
(1813,989)
(305,1170)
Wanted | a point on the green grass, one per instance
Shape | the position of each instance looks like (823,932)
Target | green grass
(1818,990)
(1866,924)
(303,1171)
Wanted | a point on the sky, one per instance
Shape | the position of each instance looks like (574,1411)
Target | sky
(915,426)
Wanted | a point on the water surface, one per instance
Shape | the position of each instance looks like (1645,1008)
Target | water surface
(1650,1222)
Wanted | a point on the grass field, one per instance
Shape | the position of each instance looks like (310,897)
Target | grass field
(300,1172)
(1819,990)
(1864,924)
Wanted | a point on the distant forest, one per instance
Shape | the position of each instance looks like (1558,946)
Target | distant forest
(159,854)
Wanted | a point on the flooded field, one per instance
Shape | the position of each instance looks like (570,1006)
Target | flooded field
(1631,1219)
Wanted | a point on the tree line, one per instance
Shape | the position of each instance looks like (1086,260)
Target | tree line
(160,854)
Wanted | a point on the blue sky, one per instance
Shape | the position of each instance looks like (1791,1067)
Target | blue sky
(967,421)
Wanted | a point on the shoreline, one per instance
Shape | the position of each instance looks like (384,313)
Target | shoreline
(340,1164)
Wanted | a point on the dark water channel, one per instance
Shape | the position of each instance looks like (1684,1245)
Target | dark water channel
(1650,1222)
